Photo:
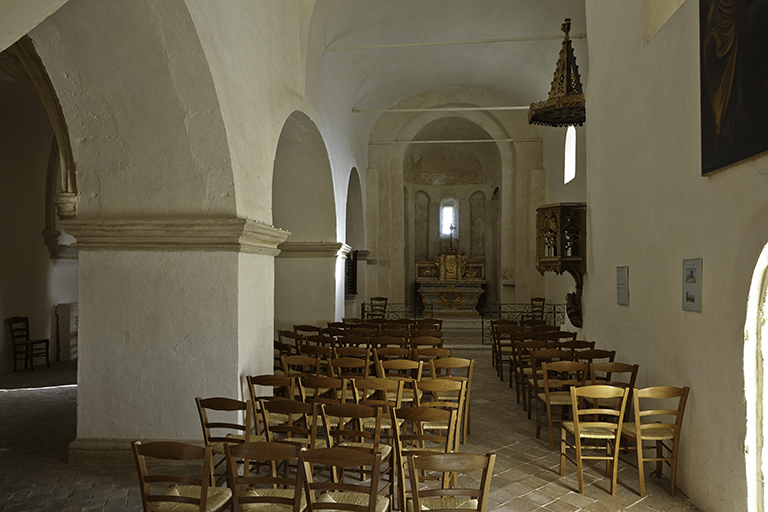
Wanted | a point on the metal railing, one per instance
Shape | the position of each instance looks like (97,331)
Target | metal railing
(554,314)
(397,310)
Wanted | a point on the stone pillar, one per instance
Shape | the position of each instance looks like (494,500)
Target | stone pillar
(309,283)
(169,310)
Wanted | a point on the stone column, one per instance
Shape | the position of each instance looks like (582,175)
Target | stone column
(169,310)
(309,283)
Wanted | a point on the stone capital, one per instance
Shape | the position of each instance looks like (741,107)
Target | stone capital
(216,235)
(313,250)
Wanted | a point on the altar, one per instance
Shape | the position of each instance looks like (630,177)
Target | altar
(450,285)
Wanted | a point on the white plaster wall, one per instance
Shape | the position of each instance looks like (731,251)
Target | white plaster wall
(157,329)
(255,313)
(306,292)
(649,208)
(30,283)
(21,16)
(558,192)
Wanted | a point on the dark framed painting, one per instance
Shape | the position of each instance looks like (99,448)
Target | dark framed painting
(734,81)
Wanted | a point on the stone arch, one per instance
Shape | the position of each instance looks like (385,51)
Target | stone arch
(354,281)
(303,203)
(143,145)
(522,184)
(755,384)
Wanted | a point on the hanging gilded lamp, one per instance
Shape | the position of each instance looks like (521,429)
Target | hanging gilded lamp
(565,105)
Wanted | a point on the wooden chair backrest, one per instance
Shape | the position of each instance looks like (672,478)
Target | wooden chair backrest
(388,341)
(348,367)
(167,451)
(323,390)
(383,390)
(18,328)
(398,333)
(649,419)
(596,353)
(426,341)
(432,333)
(349,427)
(448,464)
(219,407)
(322,340)
(306,329)
(282,389)
(240,455)
(340,457)
(301,421)
(300,366)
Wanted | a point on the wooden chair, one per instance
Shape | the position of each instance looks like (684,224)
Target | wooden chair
(307,330)
(406,370)
(428,323)
(378,307)
(321,340)
(185,492)
(444,394)
(433,333)
(425,342)
(385,353)
(415,437)
(359,427)
(382,341)
(615,374)
(367,330)
(535,383)
(218,417)
(356,497)
(23,347)
(326,390)
(291,338)
(590,355)
(560,336)
(596,430)
(283,388)
(354,340)
(521,363)
(502,347)
(302,366)
(659,426)
(450,497)
(406,322)
(449,366)
(352,320)
(575,346)
(393,331)
(537,307)
(280,350)
(252,491)
(299,429)
(323,353)
(338,325)
(384,393)
(425,354)
(557,378)
(351,366)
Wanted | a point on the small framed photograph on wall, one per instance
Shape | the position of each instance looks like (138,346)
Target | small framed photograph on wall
(692,285)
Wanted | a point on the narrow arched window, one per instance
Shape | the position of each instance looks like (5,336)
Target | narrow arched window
(449,217)
(569,171)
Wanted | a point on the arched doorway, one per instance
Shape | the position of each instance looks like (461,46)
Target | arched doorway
(39,270)
(755,390)
(355,289)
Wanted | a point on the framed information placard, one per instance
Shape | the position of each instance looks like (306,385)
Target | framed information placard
(622,286)
(692,285)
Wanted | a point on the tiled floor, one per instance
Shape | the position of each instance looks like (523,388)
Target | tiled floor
(37,426)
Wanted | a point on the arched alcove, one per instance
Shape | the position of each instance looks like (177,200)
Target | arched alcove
(302,185)
(462,173)
(32,283)
(309,270)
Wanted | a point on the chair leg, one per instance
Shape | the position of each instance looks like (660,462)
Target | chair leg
(563,447)
(640,469)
